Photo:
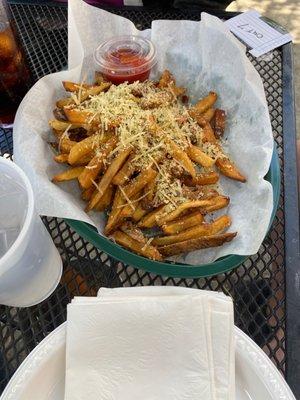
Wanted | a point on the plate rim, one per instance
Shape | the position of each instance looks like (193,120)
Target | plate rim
(266,370)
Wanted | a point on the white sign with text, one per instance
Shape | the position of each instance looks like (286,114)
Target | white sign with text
(257,32)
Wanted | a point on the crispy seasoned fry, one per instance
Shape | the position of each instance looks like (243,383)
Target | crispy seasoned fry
(134,232)
(65,145)
(74,87)
(131,190)
(219,122)
(196,244)
(87,193)
(115,210)
(125,172)
(151,219)
(207,102)
(84,160)
(167,80)
(217,203)
(208,134)
(149,190)
(76,116)
(106,199)
(68,175)
(198,156)
(139,212)
(138,183)
(61,158)
(181,157)
(197,116)
(182,223)
(227,168)
(183,207)
(85,147)
(209,114)
(96,165)
(63,125)
(145,250)
(108,176)
(205,178)
(205,229)
(67,101)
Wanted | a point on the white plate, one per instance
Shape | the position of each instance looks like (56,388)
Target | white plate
(41,375)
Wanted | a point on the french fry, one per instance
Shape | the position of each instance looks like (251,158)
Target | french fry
(68,175)
(197,116)
(92,90)
(205,178)
(209,114)
(65,145)
(85,147)
(167,81)
(196,244)
(143,249)
(125,172)
(136,233)
(63,125)
(87,193)
(208,134)
(108,176)
(182,223)
(150,220)
(134,188)
(207,102)
(205,229)
(115,210)
(61,158)
(96,165)
(217,203)
(227,168)
(198,156)
(67,101)
(149,190)
(84,160)
(118,213)
(76,116)
(74,87)
(201,204)
(139,212)
(106,199)
(181,157)
(219,121)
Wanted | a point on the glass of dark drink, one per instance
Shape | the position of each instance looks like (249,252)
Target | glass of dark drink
(15,77)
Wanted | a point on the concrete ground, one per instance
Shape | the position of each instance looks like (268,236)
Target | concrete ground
(287,14)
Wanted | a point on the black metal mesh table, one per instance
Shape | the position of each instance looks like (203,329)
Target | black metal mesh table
(263,288)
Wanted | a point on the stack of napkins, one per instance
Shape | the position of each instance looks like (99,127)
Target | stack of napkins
(150,343)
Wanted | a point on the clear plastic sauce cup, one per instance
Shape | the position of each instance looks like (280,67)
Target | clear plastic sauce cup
(30,265)
(125,58)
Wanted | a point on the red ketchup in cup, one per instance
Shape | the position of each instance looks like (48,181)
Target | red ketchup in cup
(125,58)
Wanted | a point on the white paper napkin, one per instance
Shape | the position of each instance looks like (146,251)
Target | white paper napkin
(150,343)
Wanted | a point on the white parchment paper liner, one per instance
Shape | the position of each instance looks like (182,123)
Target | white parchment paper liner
(203,56)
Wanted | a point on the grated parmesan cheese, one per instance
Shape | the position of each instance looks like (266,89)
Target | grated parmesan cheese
(143,116)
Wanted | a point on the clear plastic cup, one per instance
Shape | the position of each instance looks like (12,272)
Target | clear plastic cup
(125,58)
(30,265)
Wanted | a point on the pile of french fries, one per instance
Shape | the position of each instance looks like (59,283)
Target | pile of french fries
(140,215)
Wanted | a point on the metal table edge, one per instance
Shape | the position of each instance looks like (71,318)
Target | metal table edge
(291,225)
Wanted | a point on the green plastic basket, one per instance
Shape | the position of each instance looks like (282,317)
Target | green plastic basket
(171,269)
